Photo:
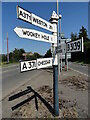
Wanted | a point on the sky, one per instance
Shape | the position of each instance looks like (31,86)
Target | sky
(74,16)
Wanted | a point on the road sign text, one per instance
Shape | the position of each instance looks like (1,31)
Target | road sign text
(34,35)
(33,19)
(75,46)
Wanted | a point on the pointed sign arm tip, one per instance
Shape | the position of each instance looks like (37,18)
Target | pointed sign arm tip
(15,29)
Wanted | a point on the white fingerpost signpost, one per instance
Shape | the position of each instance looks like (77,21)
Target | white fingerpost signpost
(44,62)
(35,64)
(28,65)
(34,35)
(72,46)
(54,20)
(31,18)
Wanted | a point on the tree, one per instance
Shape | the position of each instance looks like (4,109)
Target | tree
(83,33)
(36,55)
(33,57)
(21,51)
(73,36)
(48,53)
(11,58)
(17,55)
(82,57)
(28,57)
(4,58)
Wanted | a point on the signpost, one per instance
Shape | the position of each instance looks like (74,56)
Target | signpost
(35,64)
(67,47)
(44,62)
(54,20)
(61,35)
(58,49)
(34,35)
(75,46)
(29,17)
(28,65)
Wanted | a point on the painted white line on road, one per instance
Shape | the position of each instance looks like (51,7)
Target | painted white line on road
(9,70)
(79,72)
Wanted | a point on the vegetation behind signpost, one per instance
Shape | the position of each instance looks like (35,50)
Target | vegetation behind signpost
(82,57)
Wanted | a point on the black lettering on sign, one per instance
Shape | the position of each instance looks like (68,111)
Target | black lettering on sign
(50,27)
(75,46)
(72,46)
(30,65)
(45,37)
(39,63)
(68,47)
(36,35)
(24,66)
(25,15)
(34,65)
(24,32)
(21,13)
(39,22)
(45,62)
(78,44)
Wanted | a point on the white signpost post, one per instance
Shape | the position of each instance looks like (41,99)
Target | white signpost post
(34,35)
(33,19)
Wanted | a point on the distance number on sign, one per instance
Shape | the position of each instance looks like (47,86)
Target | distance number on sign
(74,46)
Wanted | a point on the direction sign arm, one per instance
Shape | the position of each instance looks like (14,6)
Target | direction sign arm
(31,18)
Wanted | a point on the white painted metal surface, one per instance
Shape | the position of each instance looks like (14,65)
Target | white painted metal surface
(28,65)
(34,35)
(35,64)
(44,62)
(75,46)
(33,19)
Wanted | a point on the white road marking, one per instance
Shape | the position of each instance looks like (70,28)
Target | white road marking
(79,72)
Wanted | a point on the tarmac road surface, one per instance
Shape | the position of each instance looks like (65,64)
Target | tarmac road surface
(84,69)
(12,78)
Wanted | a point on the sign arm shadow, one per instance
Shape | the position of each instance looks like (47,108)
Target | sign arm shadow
(35,96)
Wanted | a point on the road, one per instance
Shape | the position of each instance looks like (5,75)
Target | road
(80,68)
(12,78)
